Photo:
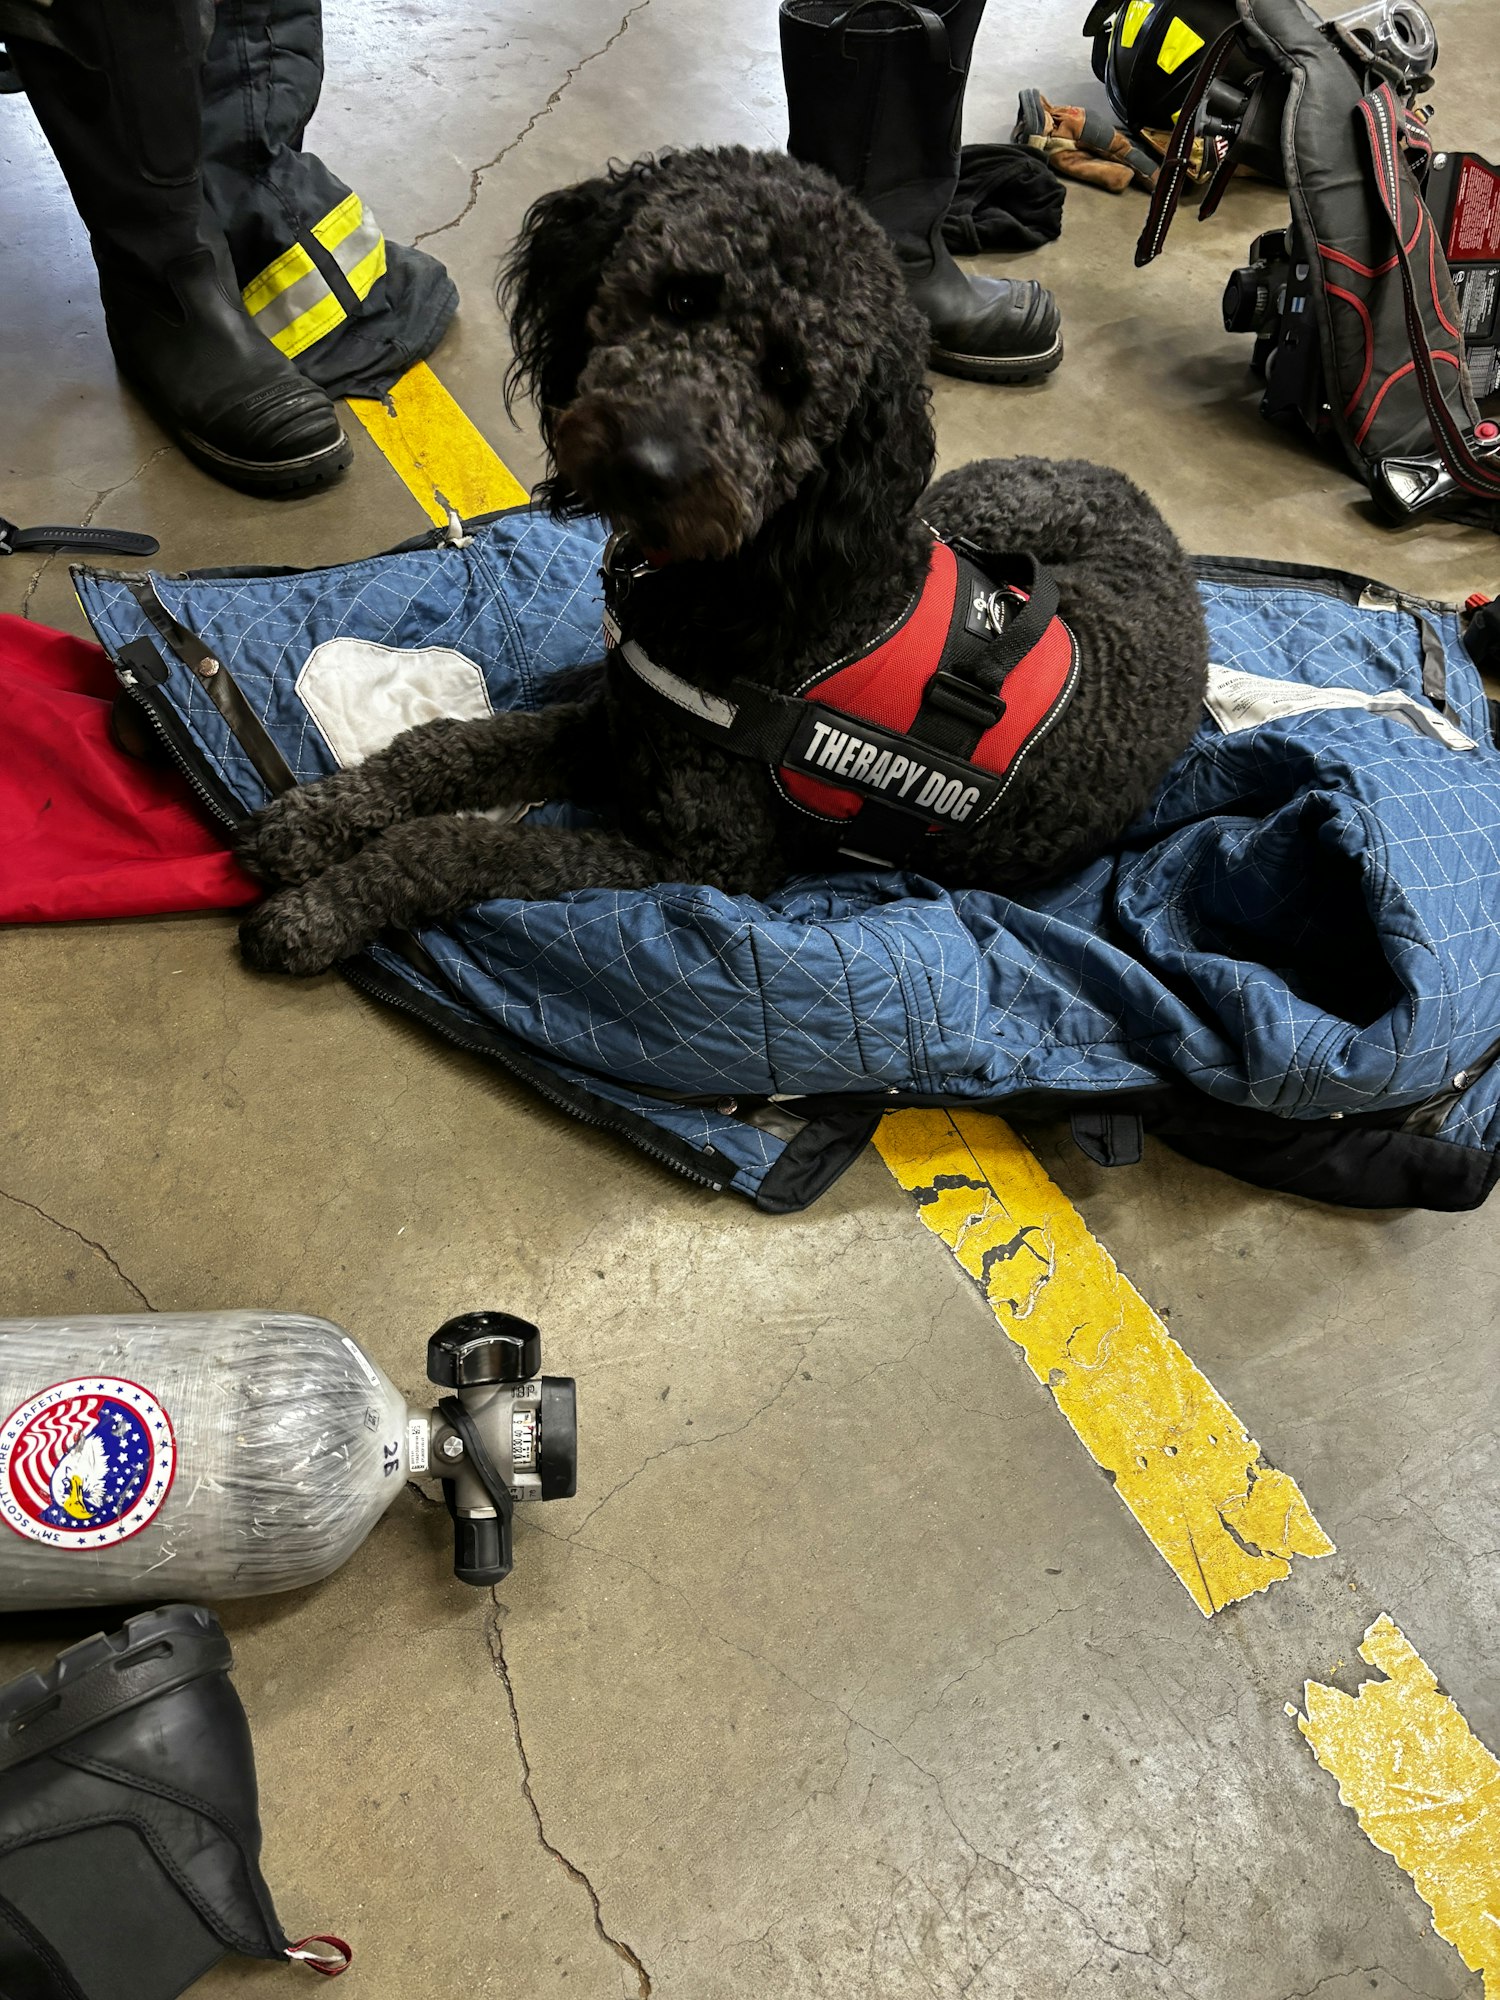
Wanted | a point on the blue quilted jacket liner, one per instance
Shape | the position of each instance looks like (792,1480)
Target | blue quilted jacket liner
(1303,924)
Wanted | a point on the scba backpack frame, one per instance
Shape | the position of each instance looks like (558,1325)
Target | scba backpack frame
(1361,335)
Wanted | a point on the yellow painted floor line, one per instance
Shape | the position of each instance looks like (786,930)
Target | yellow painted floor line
(1423,1787)
(1181,1461)
(442,457)
(1179,1458)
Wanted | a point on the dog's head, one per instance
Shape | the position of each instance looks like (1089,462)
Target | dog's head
(712,337)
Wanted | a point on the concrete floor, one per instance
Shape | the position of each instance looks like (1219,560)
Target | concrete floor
(810,1692)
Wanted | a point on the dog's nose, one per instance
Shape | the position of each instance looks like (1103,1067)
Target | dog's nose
(657,464)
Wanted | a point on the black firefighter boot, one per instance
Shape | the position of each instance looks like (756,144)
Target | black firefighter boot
(129,1820)
(875,94)
(120,105)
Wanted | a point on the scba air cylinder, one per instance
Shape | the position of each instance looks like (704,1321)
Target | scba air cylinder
(187,1455)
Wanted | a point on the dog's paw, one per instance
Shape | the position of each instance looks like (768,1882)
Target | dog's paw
(297,836)
(298,931)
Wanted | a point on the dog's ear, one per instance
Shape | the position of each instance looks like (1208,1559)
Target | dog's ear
(876,471)
(552,276)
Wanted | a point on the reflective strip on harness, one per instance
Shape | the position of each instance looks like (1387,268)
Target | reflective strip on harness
(672,687)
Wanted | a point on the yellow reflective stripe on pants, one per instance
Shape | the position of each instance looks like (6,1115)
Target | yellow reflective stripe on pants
(362,276)
(300,312)
(352,237)
(308,327)
(279,276)
(291,301)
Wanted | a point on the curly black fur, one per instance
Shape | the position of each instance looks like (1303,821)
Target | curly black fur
(727,365)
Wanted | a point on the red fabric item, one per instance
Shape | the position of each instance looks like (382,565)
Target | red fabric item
(887,686)
(86,831)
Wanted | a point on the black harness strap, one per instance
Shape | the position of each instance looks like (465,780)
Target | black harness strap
(963,699)
(990,632)
(87,541)
(1174,171)
(750,720)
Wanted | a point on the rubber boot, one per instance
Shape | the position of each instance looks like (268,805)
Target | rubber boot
(875,96)
(121,109)
(129,1820)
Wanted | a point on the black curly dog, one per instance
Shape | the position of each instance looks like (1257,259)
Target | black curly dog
(726,364)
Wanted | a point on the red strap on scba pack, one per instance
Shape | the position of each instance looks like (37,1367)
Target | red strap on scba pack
(887,685)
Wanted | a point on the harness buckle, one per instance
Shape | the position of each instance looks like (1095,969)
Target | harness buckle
(960,698)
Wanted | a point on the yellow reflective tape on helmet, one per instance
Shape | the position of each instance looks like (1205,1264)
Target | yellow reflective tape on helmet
(1137,14)
(1177,44)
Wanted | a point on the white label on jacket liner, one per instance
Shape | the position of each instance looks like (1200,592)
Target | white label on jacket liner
(362,695)
(1238,701)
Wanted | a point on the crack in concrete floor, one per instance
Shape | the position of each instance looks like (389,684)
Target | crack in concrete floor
(496,1641)
(977,1855)
(57,1223)
(106,493)
(477,174)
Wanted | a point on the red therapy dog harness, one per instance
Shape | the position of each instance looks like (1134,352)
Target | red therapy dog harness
(922,732)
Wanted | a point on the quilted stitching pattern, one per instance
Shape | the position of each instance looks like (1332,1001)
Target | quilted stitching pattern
(1303,921)
(699,1127)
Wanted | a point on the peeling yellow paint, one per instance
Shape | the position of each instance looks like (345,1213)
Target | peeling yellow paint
(1182,1462)
(1179,1458)
(1186,1468)
(443,458)
(1423,1787)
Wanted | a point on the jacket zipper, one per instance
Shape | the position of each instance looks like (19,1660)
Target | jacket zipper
(1361,592)
(378,991)
(1384,597)
(180,759)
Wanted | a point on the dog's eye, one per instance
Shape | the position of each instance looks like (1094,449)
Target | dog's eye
(781,375)
(688,299)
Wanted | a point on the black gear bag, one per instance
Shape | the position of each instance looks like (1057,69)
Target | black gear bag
(1360,333)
